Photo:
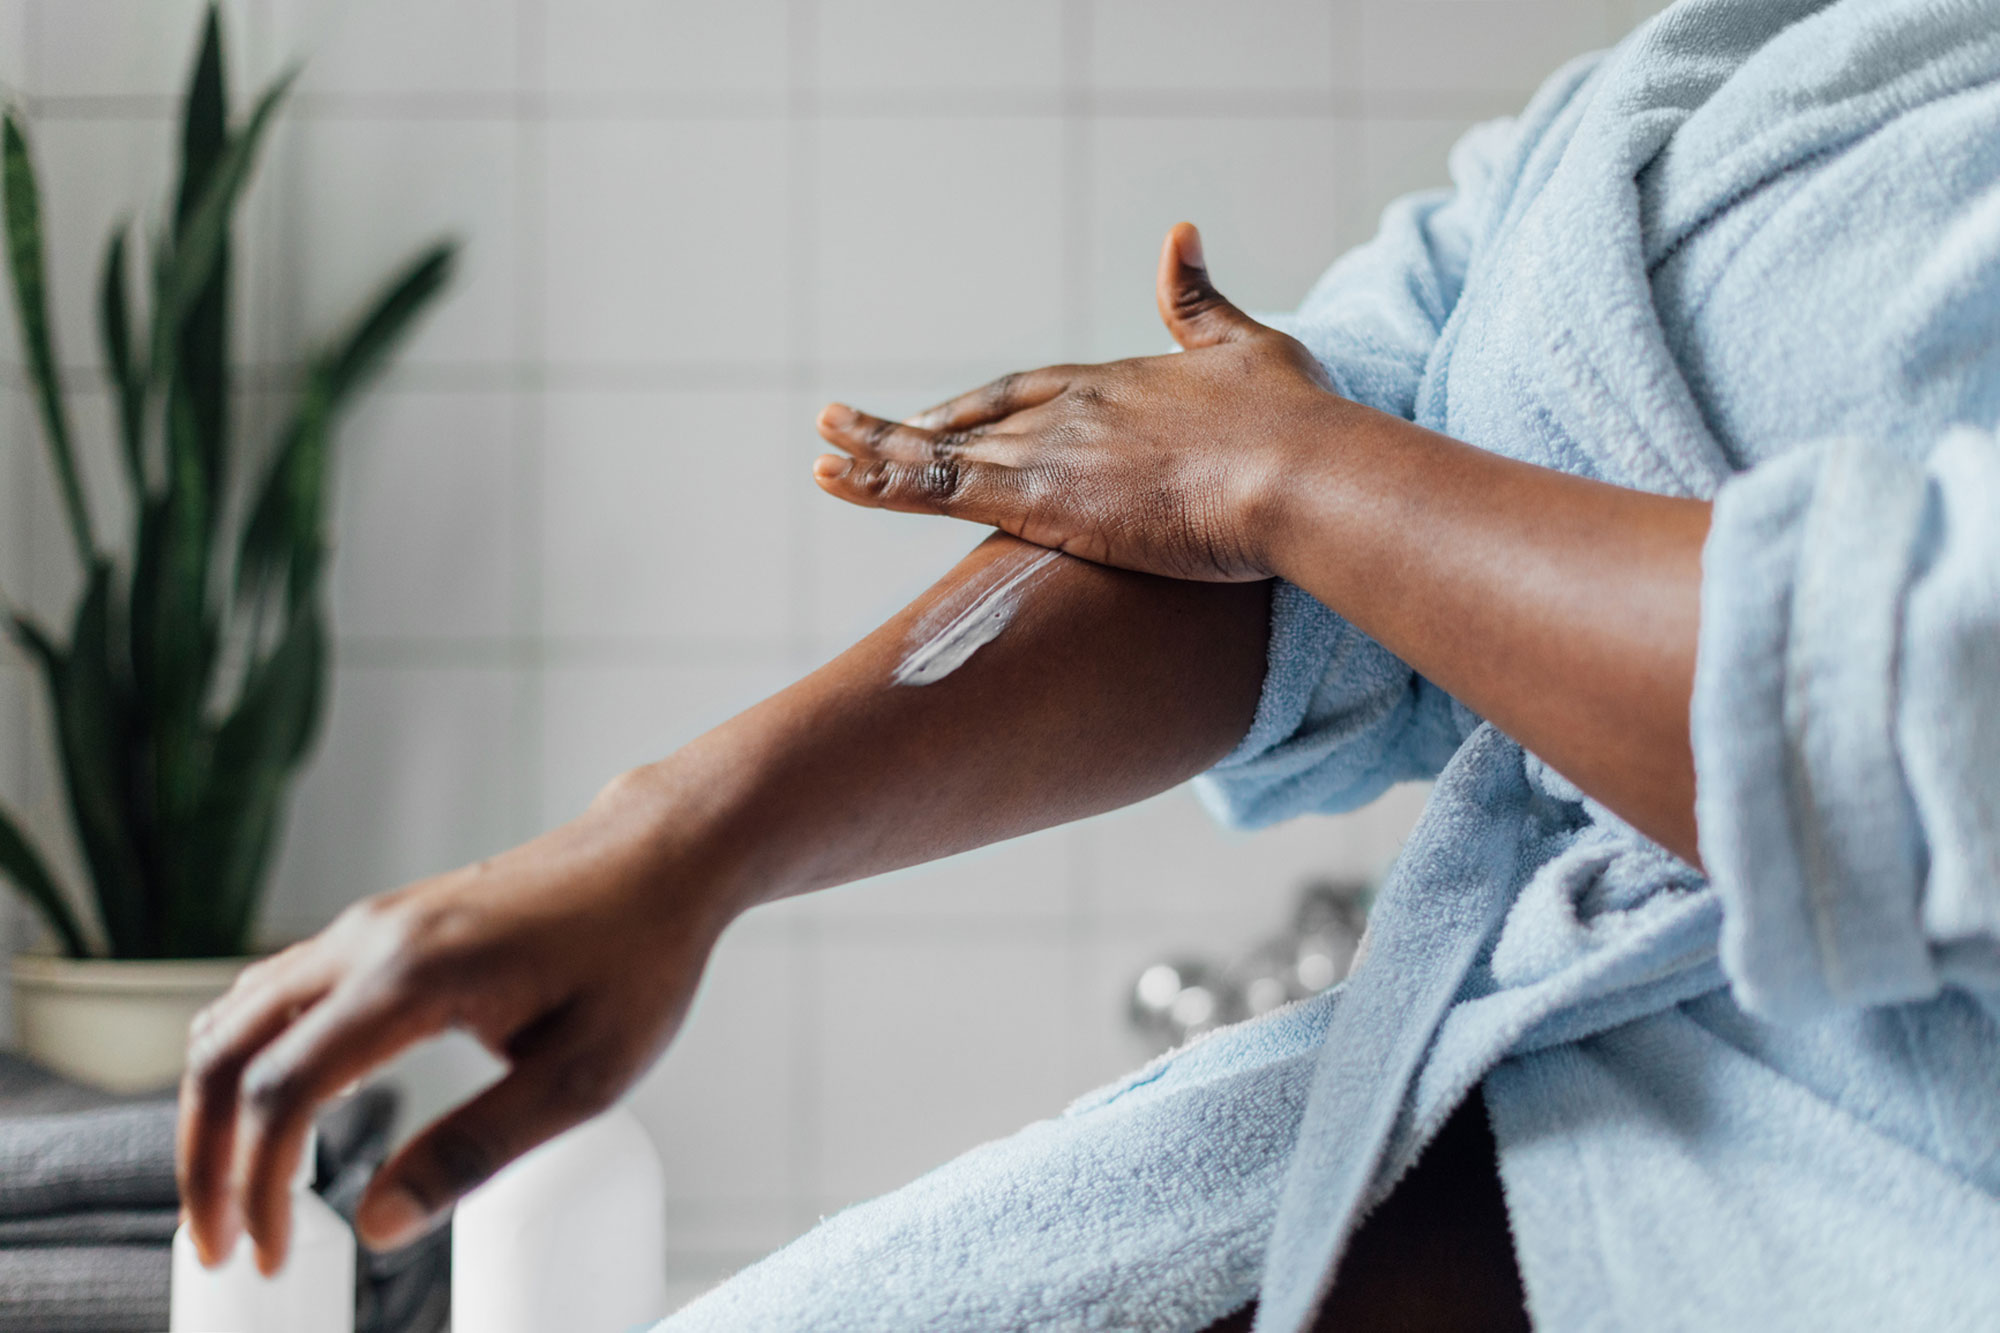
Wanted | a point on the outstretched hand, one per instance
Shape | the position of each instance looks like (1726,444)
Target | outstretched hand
(573,958)
(1168,465)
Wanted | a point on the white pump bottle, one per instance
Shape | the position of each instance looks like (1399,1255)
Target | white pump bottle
(312,1293)
(569,1239)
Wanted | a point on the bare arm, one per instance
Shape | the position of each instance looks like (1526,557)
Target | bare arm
(1562,609)
(1107,687)
(574,957)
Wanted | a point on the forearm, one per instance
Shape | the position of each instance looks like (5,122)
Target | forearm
(1562,609)
(1104,688)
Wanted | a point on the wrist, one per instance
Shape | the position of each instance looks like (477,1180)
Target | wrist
(676,829)
(1294,510)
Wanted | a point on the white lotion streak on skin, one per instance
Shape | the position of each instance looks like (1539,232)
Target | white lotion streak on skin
(943,650)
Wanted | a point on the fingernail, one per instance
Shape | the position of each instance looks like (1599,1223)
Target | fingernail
(390,1217)
(837,415)
(832,467)
(1190,248)
(269,1262)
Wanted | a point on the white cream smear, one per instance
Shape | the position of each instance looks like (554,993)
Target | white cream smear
(941,649)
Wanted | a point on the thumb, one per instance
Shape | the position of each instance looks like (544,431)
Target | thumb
(540,1098)
(1193,311)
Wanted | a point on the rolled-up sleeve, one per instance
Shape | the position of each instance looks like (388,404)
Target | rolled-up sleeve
(1846,724)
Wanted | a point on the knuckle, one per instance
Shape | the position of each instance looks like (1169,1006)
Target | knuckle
(460,1159)
(876,480)
(878,432)
(949,444)
(363,920)
(434,943)
(210,1066)
(272,1089)
(1192,298)
(218,1047)
(942,480)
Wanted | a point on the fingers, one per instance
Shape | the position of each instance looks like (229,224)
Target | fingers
(1194,312)
(958,487)
(358,1026)
(991,402)
(563,1082)
(223,1040)
(870,437)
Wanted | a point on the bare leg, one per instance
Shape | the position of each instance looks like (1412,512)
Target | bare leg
(1437,1256)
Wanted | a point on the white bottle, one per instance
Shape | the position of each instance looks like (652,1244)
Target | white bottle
(312,1293)
(572,1238)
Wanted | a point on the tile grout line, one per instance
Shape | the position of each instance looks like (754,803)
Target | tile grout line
(529,452)
(1079,134)
(806,973)
(1412,102)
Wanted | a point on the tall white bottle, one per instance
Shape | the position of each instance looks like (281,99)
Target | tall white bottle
(312,1293)
(572,1238)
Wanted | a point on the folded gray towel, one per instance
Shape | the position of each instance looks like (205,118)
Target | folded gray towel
(88,1208)
(95,1226)
(84,1289)
(112,1157)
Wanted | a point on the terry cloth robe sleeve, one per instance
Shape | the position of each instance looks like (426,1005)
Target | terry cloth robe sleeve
(1341,719)
(1846,725)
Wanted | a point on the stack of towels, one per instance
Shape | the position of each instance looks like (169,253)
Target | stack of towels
(88,1209)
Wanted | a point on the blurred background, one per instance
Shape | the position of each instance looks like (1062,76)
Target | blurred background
(576,524)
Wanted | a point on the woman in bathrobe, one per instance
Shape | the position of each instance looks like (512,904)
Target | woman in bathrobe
(1641,489)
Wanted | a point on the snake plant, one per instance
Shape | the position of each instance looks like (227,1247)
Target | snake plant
(187,692)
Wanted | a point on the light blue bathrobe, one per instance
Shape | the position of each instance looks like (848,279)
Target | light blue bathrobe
(1753,253)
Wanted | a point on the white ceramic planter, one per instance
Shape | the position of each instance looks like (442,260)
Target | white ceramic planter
(117,1025)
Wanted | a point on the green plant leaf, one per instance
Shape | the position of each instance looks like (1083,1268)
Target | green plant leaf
(195,249)
(93,733)
(203,350)
(205,117)
(23,206)
(284,528)
(20,863)
(174,630)
(256,750)
(142,609)
(366,347)
(114,322)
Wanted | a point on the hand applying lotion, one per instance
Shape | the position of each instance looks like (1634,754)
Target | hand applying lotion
(1562,609)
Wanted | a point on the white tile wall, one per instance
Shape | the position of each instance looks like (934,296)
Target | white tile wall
(685,54)
(1269,193)
(1475,47)
(1182,46)
(939,235)
(876,47)
(336,237)
(666,242)
(94,173)
(368,49)
(658,521)
(13,47)
(429,496)
(125,49)
(575,524)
